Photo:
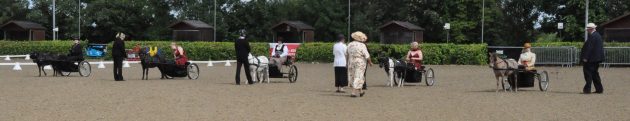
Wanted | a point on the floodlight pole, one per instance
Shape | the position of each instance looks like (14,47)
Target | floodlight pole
(349,18)
(79,19)
(215,21)
(586,22)
(483,16)
(54,24)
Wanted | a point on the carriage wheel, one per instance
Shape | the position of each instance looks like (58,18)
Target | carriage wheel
(543,81)
(429,77)
(85,69)
(293,74)
(193,71)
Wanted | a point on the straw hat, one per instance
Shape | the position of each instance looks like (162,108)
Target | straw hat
(527,45)
(359,36)
(591,25)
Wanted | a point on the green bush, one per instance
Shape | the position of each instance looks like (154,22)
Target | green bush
(469,54)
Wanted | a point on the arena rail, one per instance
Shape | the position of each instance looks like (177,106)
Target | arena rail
(616,56)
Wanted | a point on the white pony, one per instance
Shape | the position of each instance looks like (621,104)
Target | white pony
(259,67)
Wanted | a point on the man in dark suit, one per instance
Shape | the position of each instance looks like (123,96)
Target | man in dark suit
(592,55)
(242,51)
(119,54)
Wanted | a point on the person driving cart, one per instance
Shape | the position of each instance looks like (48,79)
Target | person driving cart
(76,52)
(414,56)
(279,53)
(527,59)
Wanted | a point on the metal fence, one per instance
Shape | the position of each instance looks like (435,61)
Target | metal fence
(616,56)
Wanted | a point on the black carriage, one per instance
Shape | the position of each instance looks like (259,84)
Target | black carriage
(287,70)
(190,70)
(522,78)
(413,75)
(65,65)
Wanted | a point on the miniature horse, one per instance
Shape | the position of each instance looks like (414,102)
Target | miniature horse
(503,68)
(151,59)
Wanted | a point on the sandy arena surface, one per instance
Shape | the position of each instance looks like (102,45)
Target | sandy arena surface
(460,93)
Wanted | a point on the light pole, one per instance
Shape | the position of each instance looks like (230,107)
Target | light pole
(586,22)
(483,16)
(349,15)
(55,29)
(447,27)
(215,21)
(79,19)
(560,27)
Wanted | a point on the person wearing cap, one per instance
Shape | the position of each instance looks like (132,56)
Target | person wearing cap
(279,53)
(341,72)
(119,54)
(76,52)
(527,58)
(358,58)
(242,51)
(592,54)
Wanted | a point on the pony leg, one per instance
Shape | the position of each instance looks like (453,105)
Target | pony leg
(498,79)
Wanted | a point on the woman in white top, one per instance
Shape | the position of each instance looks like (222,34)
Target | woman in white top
(527,58)
(341,72)
(279,53)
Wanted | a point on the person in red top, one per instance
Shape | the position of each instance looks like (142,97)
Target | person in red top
(415,55)
(179,54)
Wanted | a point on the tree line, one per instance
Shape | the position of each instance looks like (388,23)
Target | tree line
(506,22)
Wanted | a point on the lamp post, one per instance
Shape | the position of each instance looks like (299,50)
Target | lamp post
(560,28)
(55,29)
(483,16)
(79,19)
(586,22)
(215,22)
(447,27)
(349,15)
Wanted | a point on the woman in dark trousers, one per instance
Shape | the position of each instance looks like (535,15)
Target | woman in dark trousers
(242,51)
(119,54)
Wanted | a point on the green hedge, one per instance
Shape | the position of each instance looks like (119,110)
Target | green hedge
(469,54)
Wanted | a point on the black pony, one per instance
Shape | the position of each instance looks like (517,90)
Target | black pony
(147,61)
(43,59)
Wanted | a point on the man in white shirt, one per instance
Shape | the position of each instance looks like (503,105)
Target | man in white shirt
(279,53)
(341,72)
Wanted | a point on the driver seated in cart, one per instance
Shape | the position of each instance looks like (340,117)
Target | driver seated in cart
(414,56)
(279,53)
(76,52)
(527,60)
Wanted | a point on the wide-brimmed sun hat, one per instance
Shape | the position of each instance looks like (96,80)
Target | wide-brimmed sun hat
(591,25)
(359,36)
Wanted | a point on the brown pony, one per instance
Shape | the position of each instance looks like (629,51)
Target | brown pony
(503,68)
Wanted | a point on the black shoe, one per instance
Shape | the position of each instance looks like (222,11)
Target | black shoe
(362,93)
(353,95)
(586,92)
(599,92)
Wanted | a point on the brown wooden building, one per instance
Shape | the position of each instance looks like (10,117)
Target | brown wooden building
(293,32)
(192,30)
(399,32)
(617,29)
(23,30)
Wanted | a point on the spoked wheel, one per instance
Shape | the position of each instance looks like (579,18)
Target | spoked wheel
(429,77)
(293,74)
(193,71)
(85,69)
(543,81)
